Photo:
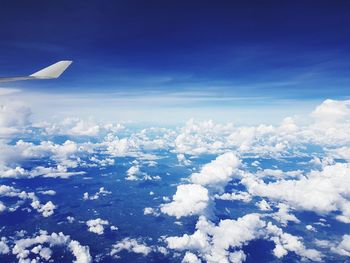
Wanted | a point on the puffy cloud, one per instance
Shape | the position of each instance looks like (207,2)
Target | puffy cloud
(207,137)
(324,190)
(198,138)
(310,228)
(103,162)
(240,196)
(2,207)
(331,111)
(81,127)
(181,158)
(14,118)
(48,192)
(44,252)
(59,152)
(132,172)
(23,247)
(331,123)
(46,209)
(237,256)
(190,258)
(77,127)
(263,205)
(328,127)
(150,211)
(321,191)
(114,228)
(213,243)
(279,174)
(101,192)
(120,147)
(283,216)
(195,198)
(9,191)
(70,219)
(4,249)
(343,248)
(96,225)
(189,199)
(216,174)
(131,245)
(286,242)
(80,252)
(65,156)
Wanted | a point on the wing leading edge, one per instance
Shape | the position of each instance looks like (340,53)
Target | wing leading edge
(51,72)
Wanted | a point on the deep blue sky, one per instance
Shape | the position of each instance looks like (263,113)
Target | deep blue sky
(278,49)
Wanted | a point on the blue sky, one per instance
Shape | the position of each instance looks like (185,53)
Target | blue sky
(120,156)
(230,57)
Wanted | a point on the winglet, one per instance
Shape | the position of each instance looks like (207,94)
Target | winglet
(53,71)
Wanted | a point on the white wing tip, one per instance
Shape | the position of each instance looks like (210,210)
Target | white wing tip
(53,71)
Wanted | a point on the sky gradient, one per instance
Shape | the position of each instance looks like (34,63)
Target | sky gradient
(192,58)
(184,131)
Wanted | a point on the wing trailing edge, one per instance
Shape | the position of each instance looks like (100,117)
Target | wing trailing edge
(50,72)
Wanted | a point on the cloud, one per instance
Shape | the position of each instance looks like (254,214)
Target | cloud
(96,225)
(2,207)
(216,174)
(65,155)
(196,198)
(263,205)
(190,258)
(343,248)
(237,256)
(324,189)
(48,192)
(14,117)
(150,211)
(70,219)
(320,191)
(81,127)
(132,172)
(77,127)
(45,209)
(277,173)
(101,192)
(120,147)
(189,199)
(4,248)
(102,162)
(24,247)
(131,245)
(214,243)
(285,242)
(283,216)
(310,228)
(198,138)
(181,158)
(332,111)
(114,228)
(240,196)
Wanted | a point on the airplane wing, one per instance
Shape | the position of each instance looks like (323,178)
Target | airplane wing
(51,72)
